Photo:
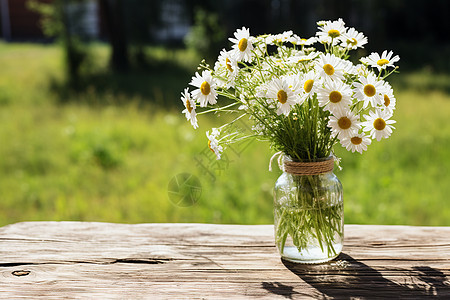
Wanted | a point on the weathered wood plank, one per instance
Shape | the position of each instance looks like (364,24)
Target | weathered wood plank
(55,260)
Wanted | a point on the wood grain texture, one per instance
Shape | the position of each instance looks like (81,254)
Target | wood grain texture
(79,260)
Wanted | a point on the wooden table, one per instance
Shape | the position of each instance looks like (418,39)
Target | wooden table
(55,260)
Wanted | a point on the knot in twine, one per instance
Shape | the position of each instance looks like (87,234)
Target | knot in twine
(309,168)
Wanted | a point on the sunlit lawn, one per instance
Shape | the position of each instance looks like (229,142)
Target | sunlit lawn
(113,160)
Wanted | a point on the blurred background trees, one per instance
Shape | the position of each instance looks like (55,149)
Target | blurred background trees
(415,29)
(90,117)
(67,22)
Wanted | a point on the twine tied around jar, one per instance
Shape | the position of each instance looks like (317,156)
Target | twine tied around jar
(302,168)
(309,168)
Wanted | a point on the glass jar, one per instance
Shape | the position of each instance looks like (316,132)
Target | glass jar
(309,216)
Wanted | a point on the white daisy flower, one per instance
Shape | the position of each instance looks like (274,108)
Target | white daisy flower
(331,31)
(370,90)
(348,67)
(378,124)
(344,124)
(380,62)
(189,105)
(294,82)
(206,92)
(389,100)
(261,91)
(278,89)
(361,70)
(281,37)
(353,39)
(227,67)
(302,58)
(296,40)
(309,84)
(242,45)
(268,39)
(213,142)
(335,96)
(330,67)
(357,142)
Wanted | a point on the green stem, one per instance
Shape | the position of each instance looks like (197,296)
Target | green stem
(309,216)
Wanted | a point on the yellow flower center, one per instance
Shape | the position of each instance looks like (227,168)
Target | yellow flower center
(335,96)
(382,62)
(369,90)
(356,140)
(344,123)
(379,124)
(352,42)
(228,64)
(188,106)
(282,96)
(242,44)
(308,85)
(387,101)
(205,88)
(209,146)
(329,70)
(333,33)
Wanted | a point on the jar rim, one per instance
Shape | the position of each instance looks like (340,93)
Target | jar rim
(316,159)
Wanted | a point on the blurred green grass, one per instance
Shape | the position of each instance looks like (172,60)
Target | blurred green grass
(109,151)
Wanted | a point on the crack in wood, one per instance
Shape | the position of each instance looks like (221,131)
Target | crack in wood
(142,261)
(112,261)
(35,240)
(6,265)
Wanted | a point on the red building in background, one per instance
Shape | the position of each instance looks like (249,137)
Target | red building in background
(18,22)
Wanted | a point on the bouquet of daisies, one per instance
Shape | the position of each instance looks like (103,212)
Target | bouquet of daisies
(303,95)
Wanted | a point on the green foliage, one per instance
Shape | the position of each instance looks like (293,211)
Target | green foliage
(206,36)
(62,23)
(309,137)
(51,21)
(94,158)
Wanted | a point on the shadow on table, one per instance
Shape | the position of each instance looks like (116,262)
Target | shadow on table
(346,277)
